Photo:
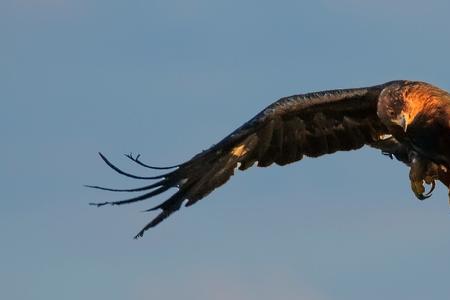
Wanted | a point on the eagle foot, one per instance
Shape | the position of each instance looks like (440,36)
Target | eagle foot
(423,172)
(419,189)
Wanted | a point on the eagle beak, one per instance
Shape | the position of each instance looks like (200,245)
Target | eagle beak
(404,122)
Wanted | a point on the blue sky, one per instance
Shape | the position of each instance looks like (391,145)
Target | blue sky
(169,78)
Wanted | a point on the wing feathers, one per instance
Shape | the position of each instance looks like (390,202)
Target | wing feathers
(311,124)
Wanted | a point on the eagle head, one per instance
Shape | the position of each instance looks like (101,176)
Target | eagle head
(392,108)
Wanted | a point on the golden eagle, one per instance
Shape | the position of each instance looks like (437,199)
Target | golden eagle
(408,120)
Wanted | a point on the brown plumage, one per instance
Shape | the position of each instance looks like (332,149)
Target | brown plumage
(408,120)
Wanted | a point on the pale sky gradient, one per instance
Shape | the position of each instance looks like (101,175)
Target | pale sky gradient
(169,78)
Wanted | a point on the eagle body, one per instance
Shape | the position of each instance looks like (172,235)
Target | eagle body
(432,140)
(408,120)
(427,119)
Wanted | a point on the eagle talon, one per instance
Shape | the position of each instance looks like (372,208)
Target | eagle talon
(388,154)
(422,172)
(433,185)
(419,190)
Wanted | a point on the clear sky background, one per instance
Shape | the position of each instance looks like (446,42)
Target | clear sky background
(169,78)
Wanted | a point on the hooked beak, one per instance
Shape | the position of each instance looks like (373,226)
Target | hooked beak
(403,122)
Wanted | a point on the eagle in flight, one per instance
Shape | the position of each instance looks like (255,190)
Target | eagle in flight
(406,120)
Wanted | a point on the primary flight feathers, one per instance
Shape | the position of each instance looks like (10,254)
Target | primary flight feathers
(407,120)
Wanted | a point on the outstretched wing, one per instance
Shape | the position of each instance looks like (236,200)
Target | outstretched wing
(311,125)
